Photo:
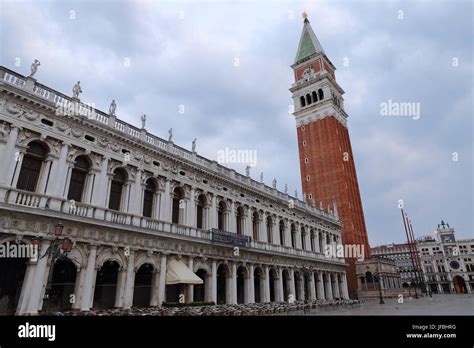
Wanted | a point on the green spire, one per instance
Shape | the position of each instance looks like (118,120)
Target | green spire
(306,48)
(309,43)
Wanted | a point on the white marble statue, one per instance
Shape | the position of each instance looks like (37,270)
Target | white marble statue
(76,90)
(34,67)
(247,170)
(274,183)
(261,177)
(143,118)
(193,146)
(170,135)
(286,188)
(112,108)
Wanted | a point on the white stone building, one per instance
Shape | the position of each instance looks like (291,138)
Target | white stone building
(149,220)
(447,263)
(400,254)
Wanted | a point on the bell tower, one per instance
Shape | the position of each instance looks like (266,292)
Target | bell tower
(328,171)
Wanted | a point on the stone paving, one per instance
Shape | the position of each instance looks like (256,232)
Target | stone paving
(442,304)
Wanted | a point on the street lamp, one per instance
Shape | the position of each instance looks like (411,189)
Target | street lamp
(58,249)
(379,278)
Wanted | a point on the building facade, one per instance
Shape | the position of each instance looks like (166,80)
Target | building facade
(327,165)
(447,263)
(146,217)
(400,255)
(378,277)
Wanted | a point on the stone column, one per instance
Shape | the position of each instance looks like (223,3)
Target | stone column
(281,295)
(99,192)
(191,209)
(266,287)
(320,285)
(308,239)
(155,288)
(26,288)
(165,203)
(336,286)
(9,156)
(312,287)
(316,242)
(58,174)
(45,169)
(468,286)
(136,194)
(251,285)
(89,280)
(120,289)
(302,287)
(232,220)
(263,235)
(292,284)
(190,289)
(248,227)
(129,281)
(78,288)
(40,279)
(214,282)
(329,287)
(324,251)
(233,287)
(213,221)
(162,281)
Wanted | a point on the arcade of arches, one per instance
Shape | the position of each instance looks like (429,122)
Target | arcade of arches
(104,277)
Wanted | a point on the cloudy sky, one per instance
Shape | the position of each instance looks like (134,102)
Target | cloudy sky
(227,65)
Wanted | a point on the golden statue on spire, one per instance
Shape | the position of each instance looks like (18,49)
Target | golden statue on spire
(305,16)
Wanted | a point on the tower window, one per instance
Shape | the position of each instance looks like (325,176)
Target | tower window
(320,94)
(308,99)
(304,142)
(306,160)
(302,101)
(310,196)
(315,96)
(308,178)
(302,128)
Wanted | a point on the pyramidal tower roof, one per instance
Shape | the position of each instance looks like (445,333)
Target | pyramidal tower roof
(309,43)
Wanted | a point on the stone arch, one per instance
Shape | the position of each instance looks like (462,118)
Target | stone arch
(143,257)
(107,254)
(78,256)
(197,265)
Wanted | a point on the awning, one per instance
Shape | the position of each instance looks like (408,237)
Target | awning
(178,273)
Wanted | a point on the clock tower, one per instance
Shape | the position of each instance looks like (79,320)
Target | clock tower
(327,165)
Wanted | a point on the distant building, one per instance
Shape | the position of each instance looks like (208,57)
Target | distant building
(375,274)
(448,265)
(400,254)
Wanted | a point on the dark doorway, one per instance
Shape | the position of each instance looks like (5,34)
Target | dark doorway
(241,285)
(142,289)
(12,273)
(257,277)
(199,289)
(62,285)
(221,284)
(106,285)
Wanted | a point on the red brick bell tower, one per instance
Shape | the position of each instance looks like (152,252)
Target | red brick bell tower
(327,165)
